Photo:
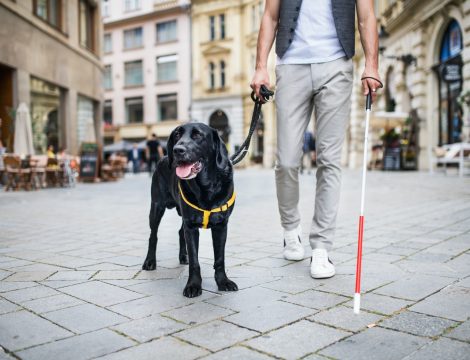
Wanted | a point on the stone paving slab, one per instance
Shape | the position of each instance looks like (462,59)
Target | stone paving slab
(451,303)
(216,335)
(80,347)
(442,349)
(418,324)
(78,292)
(84,318)
(344,318)
(270,315)
(166,348)
(237,353)
(375,343)
(149,328)
(461,332)
(22,329)
(101,293)
(297,340)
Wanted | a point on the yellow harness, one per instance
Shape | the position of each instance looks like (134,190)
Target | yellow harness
(207,213)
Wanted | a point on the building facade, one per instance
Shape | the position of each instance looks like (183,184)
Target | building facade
(147,68)
(224,38)
(50,60)
(425,65)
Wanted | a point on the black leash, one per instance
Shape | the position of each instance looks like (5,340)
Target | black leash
(241,152)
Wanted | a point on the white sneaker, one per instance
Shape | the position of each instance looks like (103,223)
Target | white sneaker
(321,266)
(293,249)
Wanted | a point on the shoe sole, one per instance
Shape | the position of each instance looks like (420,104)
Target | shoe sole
(323,276)
(295,258)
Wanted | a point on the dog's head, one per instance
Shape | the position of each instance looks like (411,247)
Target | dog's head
(193,147)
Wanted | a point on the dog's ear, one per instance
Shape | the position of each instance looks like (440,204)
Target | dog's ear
(221,154)
(169,147)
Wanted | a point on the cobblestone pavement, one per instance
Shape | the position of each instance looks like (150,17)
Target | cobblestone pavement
(72,287)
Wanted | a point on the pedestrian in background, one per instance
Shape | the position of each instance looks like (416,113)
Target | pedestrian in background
(135,158)
(314,46)
(308,156)
(154,153)
(50,152)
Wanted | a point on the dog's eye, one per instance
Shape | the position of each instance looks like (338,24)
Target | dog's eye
(177,135)
(196,135)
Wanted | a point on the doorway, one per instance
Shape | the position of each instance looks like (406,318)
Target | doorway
(6,107)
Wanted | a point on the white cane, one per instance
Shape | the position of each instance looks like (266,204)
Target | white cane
(357,292)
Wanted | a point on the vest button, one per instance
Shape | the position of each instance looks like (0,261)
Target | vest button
(290,41)
(295,19)
(291,29)
(297,8)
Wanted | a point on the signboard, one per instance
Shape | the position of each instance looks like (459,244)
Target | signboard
(452,70)
(89,161)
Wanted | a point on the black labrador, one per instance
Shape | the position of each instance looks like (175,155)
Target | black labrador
(196,177)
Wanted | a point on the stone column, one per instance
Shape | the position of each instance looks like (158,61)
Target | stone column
(22,88)
(69,120)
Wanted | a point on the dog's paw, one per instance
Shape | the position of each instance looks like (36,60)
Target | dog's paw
(227,285)
(149,264)
(192,290)
(184,259)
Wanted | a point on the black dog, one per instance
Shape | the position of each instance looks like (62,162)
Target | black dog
(197,178)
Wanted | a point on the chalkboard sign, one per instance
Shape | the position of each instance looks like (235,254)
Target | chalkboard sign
(89,161)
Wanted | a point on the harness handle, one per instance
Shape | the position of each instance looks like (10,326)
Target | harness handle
(267,95)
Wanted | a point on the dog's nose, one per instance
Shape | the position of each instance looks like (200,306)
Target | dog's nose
(179,150)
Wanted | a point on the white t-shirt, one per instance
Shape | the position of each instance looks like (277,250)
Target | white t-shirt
(315,39)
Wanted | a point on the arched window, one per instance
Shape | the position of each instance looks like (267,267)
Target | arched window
(222,74)
(449,71)
(451,42)
(211,75)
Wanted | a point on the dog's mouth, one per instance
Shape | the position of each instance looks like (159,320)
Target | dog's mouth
(187,171)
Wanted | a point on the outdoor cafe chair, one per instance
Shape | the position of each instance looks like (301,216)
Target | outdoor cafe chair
(54,173)
(17,177)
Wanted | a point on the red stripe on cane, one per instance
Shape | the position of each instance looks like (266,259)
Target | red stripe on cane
(359,255)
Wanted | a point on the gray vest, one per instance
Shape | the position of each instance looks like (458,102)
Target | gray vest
(344,12)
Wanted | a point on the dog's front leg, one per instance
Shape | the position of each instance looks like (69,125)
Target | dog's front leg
(219,237)
(193,287)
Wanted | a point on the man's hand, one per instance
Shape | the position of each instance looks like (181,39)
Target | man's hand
(367,25)
(371,84)
(267,32)
(261,77)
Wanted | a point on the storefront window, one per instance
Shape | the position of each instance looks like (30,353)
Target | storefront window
(85,120)
(449,72)
(45,110)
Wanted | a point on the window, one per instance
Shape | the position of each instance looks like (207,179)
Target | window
(167,107)
(222,74)
(222,26)
(49,11)
(134,110)
(108,112)
(131,5)
(211,76)
(167,68)
(133,38)
(86,24)
(105,8)
(107,44)
(212,27)
(133,73)
(166,31)
(108,77)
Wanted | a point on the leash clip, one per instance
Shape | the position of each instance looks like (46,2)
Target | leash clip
(266,94)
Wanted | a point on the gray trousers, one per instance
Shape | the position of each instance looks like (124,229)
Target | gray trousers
(326,88)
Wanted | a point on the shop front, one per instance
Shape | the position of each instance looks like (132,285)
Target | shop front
(449,74)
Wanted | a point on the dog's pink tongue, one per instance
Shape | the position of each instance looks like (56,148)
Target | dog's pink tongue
(183,171)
